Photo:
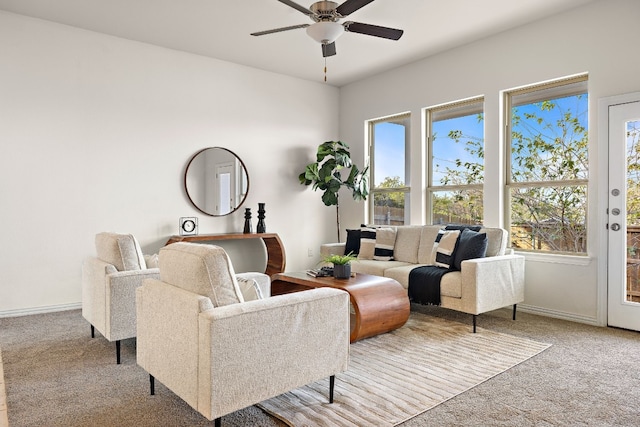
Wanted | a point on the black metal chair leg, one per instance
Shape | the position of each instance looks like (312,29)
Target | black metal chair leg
(152,384)
(217,422)
(332,383)
(93,332)
(118,352)
(474,323)
(514,311)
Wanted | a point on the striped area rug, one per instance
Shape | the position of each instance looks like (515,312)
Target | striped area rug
(398,375)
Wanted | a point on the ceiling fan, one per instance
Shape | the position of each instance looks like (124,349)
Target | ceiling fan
(327,28)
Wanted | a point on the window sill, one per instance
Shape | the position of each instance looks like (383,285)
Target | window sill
(556,258)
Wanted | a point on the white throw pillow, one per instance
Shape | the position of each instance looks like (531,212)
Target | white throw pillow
(444,247)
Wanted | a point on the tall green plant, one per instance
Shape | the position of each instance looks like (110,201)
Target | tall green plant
(325,174)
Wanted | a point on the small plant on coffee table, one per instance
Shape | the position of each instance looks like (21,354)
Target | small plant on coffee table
(341,265)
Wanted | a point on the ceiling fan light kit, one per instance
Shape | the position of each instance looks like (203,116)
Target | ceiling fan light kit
(325,32)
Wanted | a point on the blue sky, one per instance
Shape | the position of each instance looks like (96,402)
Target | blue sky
(390,140)
(389,151)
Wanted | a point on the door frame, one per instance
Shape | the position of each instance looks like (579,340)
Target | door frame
(603,196)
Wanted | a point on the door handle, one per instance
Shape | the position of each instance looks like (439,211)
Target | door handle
(615,226)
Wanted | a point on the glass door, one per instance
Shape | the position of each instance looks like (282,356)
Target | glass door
(624,216)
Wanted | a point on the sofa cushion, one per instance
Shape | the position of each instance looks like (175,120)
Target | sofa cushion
(407,243)
(451,285)
(400,273)
(444,247)
(428,235)
(202,269)
(376,268)
(471,244)
(352,245)
(120,250)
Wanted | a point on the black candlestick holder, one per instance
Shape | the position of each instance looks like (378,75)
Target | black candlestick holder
(261,227)
(247,221)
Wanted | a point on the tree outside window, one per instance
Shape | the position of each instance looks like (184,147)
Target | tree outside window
(547,183)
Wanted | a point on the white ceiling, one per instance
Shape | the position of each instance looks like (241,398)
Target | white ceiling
(221,29)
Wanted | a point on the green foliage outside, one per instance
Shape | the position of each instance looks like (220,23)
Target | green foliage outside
(549,147)
(463,206)
(549,153)
(633,173)
(393,199)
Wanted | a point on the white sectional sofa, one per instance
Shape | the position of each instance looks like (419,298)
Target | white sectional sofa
(482,284)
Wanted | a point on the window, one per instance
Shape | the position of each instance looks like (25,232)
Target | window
(456,162)
(547,139)
(388,153)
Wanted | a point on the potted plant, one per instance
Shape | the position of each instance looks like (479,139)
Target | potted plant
(326,174)
(341,265)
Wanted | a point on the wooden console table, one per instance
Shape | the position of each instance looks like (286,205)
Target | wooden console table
(276,259)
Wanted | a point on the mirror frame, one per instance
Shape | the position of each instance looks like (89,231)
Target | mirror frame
(202,209)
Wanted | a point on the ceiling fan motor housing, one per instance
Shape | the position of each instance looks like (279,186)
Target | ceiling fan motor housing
(324,11)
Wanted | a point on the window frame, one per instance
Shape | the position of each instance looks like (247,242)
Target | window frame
(455,109)
(546,91)
(405,120)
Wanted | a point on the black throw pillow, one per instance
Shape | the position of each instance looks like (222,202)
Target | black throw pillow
(352,246)
(471,244)
(462,227)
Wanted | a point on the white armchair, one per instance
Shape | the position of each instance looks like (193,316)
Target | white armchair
(199,338)
(109,281)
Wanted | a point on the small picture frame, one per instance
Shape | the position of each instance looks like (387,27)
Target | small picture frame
(188,226)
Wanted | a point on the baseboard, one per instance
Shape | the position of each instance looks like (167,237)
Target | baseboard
(521,307)
(40,310)
(559,314)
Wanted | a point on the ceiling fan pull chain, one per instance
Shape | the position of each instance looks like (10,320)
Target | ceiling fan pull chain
(325,69)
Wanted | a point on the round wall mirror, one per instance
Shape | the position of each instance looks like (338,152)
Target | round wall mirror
(216,181)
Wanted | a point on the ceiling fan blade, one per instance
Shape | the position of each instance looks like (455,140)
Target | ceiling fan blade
(278,30)
(351,6)
(296,6)
(328,49)
(373,30)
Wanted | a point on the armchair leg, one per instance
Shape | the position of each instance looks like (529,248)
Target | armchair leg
(332,383)
(118,352)
(93,332)
(475,316)
(217,422)
(514,311)
(152,385)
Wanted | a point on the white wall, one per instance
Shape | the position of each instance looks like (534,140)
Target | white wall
(95,135)
(600,39)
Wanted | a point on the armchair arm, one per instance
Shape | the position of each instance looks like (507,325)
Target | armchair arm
(491,283)
(270,346)
(120,301)
(94,272)
(167,336)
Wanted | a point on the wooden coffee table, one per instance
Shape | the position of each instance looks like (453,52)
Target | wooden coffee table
(380,304)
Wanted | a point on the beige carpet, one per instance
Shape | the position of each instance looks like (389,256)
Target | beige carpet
(396,376)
